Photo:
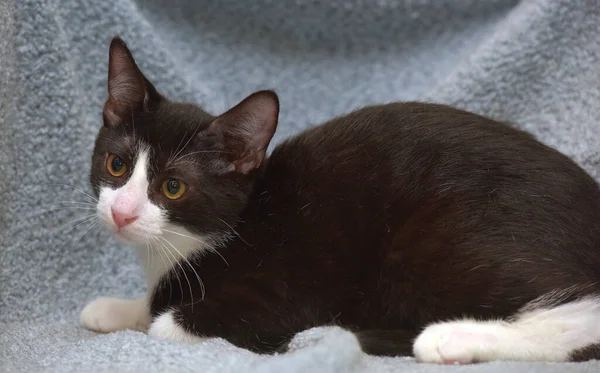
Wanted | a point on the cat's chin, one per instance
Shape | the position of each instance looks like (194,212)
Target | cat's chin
(129,238)
(126,239)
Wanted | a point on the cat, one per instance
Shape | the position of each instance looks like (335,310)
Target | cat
(422,228)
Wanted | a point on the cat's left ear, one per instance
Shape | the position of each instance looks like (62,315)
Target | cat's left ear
(128,89)
(247,130)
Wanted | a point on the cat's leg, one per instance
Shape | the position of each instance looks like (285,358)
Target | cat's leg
(167,326)
(246,322)
(559,333)
(112,314)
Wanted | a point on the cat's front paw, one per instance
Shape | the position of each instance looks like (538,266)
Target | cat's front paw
(166,327)
(453,343)
(107,315)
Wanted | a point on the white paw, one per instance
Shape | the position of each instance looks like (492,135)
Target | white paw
(165,327)
(453,343)
(107,315)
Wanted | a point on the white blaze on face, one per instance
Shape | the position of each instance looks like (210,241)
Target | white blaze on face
(132,217)
(132,203)
(131,200)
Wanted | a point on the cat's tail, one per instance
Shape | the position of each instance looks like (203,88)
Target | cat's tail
(544,330)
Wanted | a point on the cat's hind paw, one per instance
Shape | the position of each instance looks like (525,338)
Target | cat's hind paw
(452,343)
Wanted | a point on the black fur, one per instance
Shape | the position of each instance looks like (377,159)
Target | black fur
(381,221)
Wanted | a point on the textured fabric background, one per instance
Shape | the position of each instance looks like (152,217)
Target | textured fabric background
(535,63)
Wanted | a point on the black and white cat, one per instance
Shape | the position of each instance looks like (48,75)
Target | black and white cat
(420,227)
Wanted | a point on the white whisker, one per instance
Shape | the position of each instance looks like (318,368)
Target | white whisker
(147,261)
(171,156)
(167,251)
(184,235)
(201,151)
(234,231)
(93,219)
(160,252)
(204,244)
(66,208)
(118,145)
(182,270)
(75,203)
(186,144)
(79,190)
(87,229)
(86,219)
(216,251)
(202,289)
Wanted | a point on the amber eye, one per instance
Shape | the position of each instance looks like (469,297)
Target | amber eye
(115,165)
(173,188)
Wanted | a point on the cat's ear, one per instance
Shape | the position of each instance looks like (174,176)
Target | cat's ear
(247,130)
(128,89)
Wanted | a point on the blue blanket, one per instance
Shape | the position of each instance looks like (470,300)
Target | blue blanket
(535,63)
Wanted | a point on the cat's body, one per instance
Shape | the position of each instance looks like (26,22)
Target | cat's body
(382,221)
(371,221)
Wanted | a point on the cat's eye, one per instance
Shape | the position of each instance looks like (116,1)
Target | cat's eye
(115,165)
(173,188)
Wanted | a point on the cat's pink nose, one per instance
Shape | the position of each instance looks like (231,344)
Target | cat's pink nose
(122,219)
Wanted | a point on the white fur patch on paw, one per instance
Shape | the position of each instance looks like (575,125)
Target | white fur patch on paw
(165,327)
(107,315)
(453,343)
(537,334)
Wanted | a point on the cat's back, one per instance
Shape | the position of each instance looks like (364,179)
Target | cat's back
(395,125)
(399,137)
(440,166)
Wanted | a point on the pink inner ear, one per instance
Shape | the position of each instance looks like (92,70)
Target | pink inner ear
(247,129)
(126,86)
(110,116)
(249,161)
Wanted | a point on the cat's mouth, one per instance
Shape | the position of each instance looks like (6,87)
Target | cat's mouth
(133,233)
(125,234)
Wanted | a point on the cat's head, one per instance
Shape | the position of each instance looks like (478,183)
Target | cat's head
(169,173)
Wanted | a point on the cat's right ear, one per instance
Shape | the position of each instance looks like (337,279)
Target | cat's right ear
(128,89)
